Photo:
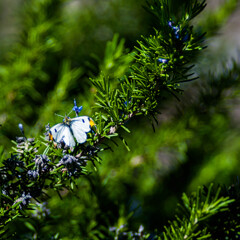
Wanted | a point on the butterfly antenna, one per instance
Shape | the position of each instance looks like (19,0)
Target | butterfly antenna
(59,115)
(69,112)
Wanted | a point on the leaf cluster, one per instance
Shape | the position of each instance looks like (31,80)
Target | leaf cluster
(159,63)
(193,213)
(210,213)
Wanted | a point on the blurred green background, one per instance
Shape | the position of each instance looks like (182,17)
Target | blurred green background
(48,51)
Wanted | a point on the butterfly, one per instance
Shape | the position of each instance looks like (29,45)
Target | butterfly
(71,129)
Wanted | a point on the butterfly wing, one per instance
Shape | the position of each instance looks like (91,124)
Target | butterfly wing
(56,131)
(80,126)
(62,132)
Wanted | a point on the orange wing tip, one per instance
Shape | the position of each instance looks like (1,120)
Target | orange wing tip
(50,137)
(92,123)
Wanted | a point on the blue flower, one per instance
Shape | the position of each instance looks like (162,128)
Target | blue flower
(163,60)
(77,109)
(183,35)
(175,29)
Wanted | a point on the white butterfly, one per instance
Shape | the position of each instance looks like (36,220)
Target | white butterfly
(72,128)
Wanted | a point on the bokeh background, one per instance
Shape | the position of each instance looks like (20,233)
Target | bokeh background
(48,51)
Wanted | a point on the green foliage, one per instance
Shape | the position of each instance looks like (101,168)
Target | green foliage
(159,67)
(209,213)
(137,188)
(26,66)
(189,224)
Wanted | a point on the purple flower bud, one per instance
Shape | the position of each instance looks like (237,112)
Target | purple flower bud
(141,228)
(4,192)
(41,163)
(41,210)
(112,229)
(32,174)
(24,199)
(20,139)
(21,128)
(72,165)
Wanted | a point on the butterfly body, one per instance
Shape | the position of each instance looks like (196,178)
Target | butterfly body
(71,129)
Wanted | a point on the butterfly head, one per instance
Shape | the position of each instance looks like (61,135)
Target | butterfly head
(67,120)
